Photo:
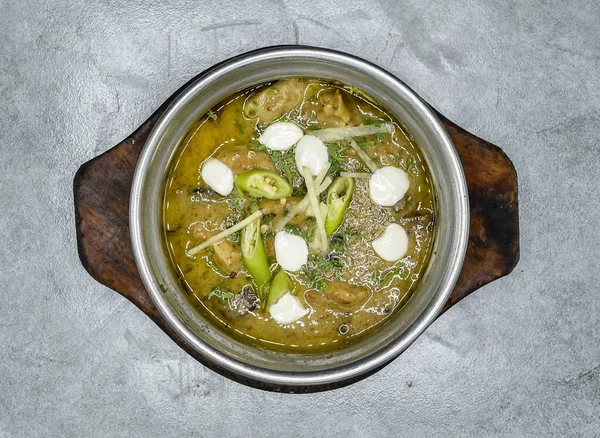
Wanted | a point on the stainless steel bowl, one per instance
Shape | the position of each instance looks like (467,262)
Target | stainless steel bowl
(287,369)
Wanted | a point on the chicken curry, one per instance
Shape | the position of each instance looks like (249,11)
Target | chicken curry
(299,215)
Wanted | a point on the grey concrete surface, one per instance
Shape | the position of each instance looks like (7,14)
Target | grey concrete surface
(520,357)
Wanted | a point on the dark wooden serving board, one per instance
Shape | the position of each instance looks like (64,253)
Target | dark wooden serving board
(102,188)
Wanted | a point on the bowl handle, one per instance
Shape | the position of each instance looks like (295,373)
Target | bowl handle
(493,248)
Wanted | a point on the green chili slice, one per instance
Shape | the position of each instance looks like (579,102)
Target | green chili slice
(339,196)
(279,286)
(255,257)
(263,184)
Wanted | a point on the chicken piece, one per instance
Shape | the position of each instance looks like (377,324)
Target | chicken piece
(333,111)
(273,102)
(341,296)
(346,296)
(240,159)
(226,254)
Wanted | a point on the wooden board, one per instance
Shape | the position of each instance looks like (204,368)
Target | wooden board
(102,189)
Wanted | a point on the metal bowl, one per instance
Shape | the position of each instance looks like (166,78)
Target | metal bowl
(292,370)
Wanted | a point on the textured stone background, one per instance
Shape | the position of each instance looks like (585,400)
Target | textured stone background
(519,357)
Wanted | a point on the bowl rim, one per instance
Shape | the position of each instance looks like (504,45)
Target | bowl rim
(332,375)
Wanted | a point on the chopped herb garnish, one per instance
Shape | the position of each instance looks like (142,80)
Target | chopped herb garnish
(220,293)
(320,286)
(258,148)
(380,137)
(345,237)
(399,271)
(337,155)
(239,127)
(364,142)
(235,204)
(360,93)
(285,162)
(212,116)
(318,269)
(298,231)
(369,121)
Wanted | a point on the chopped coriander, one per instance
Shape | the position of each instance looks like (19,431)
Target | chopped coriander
(317,269)
(353,236)
(399,271)
(295,229)
(235,204)
(364,142)
(239,127)
(337,155)
(212,116)
(320,285)
(345,237)
(258,148)
(285,162)
(359,93)
(276,156)
(380,137)
(369,121)
(220,293)
(375,277)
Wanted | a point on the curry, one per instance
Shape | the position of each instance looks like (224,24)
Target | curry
(299,215)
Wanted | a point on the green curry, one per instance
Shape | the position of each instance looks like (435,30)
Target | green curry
(224,249)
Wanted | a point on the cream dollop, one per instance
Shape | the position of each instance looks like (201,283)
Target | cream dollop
(291,251)
(388,185)
(281,136)
(218,176)
(312,153)
(288,309)
(392,244)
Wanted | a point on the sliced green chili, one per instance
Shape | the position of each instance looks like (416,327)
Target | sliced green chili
(339,196)
(255,257)
(279,286)
(263,184)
